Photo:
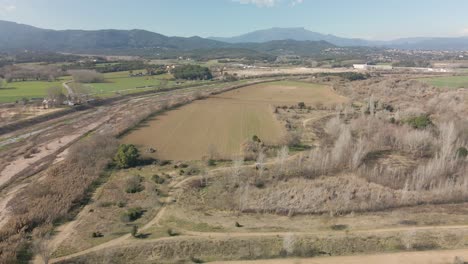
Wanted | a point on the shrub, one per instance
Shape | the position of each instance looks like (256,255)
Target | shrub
(158,179)
(134,231)
(211,162)
(259,183)
(462,152)
(132,214)
(133,184)
(196,260)
(96,234)
(419,122)
(127,156)
(172,232)
(301,105)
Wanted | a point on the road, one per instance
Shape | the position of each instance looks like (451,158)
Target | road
(69,89)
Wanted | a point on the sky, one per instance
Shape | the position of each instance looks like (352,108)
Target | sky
(370,19)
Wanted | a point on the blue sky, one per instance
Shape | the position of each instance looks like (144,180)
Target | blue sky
(373,19)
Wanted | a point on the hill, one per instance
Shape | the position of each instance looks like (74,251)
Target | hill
(19,37)
(299,34)
(302,34)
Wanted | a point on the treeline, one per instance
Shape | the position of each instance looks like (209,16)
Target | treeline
(105,66)
(412,63)
(192,72)
(350,76)
(12,73)
(45,57)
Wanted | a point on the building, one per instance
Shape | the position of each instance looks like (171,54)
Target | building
(372,67)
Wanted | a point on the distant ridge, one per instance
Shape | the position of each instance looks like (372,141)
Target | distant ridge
(16,37)
(296,33)
(301,34)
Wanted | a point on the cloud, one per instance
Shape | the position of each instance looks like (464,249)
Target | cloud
(268,3)
(7,7)
(296,2)
(464,32)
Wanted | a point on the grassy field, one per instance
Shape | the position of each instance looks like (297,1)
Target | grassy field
(30,89)
(453,82)
(114,82)
(120,81)
(225,121)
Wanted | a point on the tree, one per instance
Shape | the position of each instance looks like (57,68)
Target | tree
(192,72)
(134,231)
(55,95)
(2,83)
(127,156)
(86,76)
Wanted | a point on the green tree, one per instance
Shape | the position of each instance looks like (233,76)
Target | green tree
(192,72)
(127,156)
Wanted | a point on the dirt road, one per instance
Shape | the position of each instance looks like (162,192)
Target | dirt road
(422,257)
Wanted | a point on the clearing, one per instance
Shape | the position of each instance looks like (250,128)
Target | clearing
(225,121)
(453,82)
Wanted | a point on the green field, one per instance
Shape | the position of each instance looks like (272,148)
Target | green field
(31,89)
(453,82)
(114,82)
(120,81)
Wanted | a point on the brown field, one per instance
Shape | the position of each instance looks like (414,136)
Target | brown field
(225,121)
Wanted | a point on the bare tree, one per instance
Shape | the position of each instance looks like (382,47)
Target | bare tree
(86,76)
(281,158)
(237,164)
(55,95)
(260,163)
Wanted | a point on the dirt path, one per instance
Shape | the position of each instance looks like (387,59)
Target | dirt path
(69,89)
(124,239)
(422,257)
(112,243)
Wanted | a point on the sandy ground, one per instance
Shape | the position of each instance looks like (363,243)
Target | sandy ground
(424,257)
(225,121)
(44,150)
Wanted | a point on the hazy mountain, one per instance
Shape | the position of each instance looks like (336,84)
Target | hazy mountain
(299,34)
(424,43)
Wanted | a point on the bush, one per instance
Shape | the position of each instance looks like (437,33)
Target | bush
(134,231)
(132,214)
(158,179)
(172,232)
(133,184)
(259,183)
(211,162)
(127,156)
(462,153)
(419,122)
(96,234)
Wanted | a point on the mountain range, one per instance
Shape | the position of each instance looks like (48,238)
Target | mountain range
(16,37)
(301,34)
